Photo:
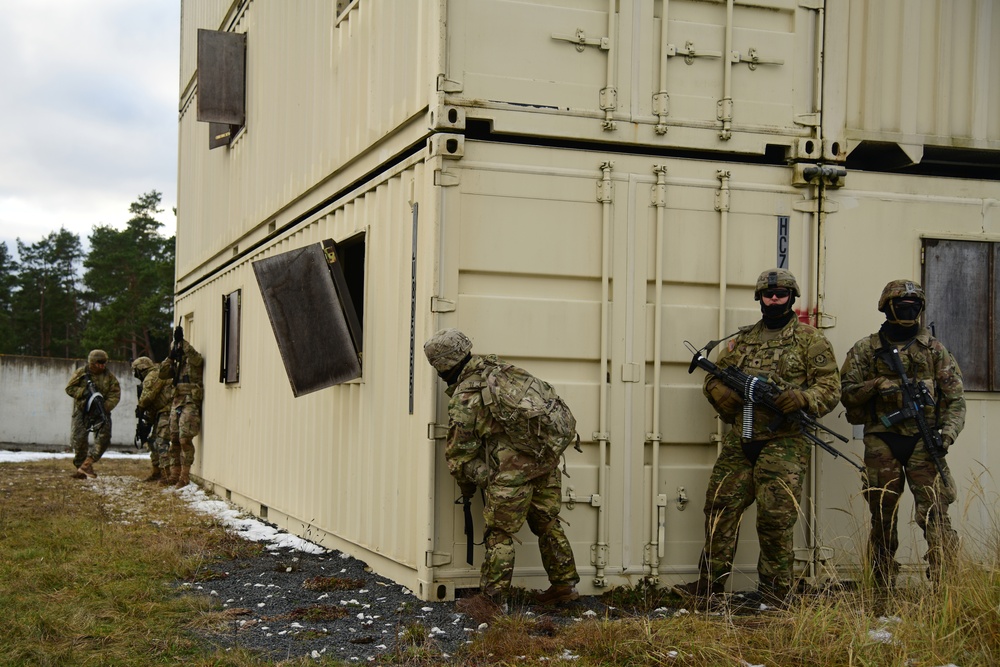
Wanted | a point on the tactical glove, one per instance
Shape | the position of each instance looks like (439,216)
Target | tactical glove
(139,412)
(468,489)
(790,400)
(947,442)
(725,399)
(178,334)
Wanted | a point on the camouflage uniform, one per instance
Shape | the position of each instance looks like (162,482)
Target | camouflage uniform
(185,412)
(518,487)
(156,399)
(795,356)
(107,384)
(926,361)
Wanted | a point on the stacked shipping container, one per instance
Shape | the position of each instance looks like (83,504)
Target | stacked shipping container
(580,186)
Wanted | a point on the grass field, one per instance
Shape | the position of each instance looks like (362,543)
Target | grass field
(87,579)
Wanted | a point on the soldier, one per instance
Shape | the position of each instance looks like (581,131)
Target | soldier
(154,402)
(88,415)
(769,466)
(184,367)
(871,390)
(518,486)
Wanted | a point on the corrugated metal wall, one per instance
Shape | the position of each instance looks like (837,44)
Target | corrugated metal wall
(318,97)
(349,460)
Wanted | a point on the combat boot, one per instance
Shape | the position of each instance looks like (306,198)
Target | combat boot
(171,479)
(183,479)
(87,468)
(700,590)
(154,476)
(78,475)
(557,594)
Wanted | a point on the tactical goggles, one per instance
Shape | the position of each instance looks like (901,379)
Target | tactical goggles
(776,292)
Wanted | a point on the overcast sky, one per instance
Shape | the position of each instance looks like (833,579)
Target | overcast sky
(88,113)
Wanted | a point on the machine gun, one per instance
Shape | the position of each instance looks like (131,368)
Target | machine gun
(756,390)
(95,416)
(915,398)
(143,427)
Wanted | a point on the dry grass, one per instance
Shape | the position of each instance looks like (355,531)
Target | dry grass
(86,579)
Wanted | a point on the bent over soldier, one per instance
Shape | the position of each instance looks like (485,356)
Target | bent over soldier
(184,368)
(872,391)
(766,460)
(154,402)
(519,487)
(88,416)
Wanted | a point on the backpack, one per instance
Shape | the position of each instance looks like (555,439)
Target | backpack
(535,419)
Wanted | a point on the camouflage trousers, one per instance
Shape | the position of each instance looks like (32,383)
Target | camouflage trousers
(159,442)
(774,482)
(185,424)
(507,507)
(931,499)
(80,440)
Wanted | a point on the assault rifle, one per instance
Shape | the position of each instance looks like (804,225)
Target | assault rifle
(177,352)
(756,390)
(143,427)
(95,416)
(915,398)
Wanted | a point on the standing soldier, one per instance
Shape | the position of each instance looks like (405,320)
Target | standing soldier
(184,367)
(95,392)
(763,461)
(482,452)
(873,392)
(154,402)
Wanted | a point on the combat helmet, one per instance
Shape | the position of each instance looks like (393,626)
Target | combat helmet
(141,366)
(904,314)
(446,349)
(898,289)
(773,278)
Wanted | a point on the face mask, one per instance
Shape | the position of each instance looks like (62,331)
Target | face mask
(903,312)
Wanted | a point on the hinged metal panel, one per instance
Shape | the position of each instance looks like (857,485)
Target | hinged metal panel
(222,77)
(308,319)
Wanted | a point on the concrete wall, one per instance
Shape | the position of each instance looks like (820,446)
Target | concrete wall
(35,410)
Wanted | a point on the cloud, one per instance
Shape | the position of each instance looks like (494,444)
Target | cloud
(89,120)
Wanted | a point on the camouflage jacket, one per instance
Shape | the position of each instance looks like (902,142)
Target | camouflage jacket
(157,394)
(478,449)
(797,356)
(926,360)
(189,375)
(105,382)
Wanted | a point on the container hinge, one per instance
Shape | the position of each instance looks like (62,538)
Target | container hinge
(436,559)
(752,59)
(690,53)
(445,179)
(437,431)
(581,41)
(442,305)
(605,188)
(446,85)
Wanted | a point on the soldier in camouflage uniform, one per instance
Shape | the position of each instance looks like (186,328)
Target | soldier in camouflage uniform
(85,455)
(518,487)
(871,390)
(184,368)
(154,402)
(768,468)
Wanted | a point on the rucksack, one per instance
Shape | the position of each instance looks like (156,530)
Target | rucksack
(537,421)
